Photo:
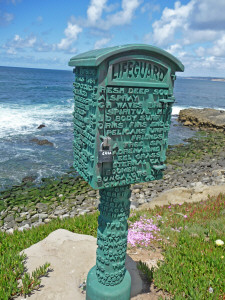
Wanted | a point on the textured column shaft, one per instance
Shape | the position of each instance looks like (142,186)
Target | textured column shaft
(112,234)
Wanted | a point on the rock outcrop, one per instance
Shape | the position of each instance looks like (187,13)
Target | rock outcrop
(28,179)
(198,192)
(206,118)
(41,142)
(71,256)
(191,182)
(41,126)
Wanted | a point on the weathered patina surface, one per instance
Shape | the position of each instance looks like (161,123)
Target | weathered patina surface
(123,102)
(109,279)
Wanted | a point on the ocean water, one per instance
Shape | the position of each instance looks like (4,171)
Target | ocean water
(30,97)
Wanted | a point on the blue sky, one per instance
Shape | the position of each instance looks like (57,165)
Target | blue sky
(47,33)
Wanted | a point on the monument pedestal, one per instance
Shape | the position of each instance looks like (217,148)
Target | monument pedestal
(109,280)
(98,291)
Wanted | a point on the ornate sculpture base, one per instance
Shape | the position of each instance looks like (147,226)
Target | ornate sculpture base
(98,291)
(109,280)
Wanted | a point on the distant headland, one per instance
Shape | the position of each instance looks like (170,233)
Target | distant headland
(204,78)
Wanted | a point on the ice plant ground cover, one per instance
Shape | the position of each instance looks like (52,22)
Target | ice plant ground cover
(193,267)
(12,269)
(194,260)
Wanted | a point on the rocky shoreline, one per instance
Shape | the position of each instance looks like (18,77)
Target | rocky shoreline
(204,119)
(28,206)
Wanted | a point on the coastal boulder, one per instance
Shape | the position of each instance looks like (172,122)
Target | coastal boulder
(41,126)
(71,256)
(28,179)
(41,142)
(206,118)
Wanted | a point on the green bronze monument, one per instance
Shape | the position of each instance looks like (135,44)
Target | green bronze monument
(123,102)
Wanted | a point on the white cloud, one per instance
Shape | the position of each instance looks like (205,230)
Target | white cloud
(96,20)
(111,7)
(195,22)
(219,47)
(32,42)
(123,16)
(11,51)
(99,16)
(95,9)
(71,32)
(150,8)
(203,66)
(29,42)
(171,21)
(17,38)
(5,18)
(193,32)
(177,50)
(19,42)
(99,7)
(64,44)
(199,36)
(200,51)
(209,14)
(100,43)
(73,50)
(44,47)
(173,48)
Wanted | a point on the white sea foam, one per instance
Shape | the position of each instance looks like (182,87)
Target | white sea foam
(176,109)
(25,119)
(4,159)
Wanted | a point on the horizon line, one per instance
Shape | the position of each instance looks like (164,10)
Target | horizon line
(180,76)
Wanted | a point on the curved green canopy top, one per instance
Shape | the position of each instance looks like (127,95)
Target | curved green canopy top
(96,57)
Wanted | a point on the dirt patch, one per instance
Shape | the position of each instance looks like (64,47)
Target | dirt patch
(149,256)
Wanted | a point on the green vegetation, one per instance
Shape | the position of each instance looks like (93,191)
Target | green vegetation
(48,191)
(11,262)
(202,144)
(142,266)
(29,194)
(193,266)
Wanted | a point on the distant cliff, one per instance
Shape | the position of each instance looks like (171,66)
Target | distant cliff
(204,78)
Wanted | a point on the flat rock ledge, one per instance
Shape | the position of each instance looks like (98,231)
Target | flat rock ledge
(71,256)
(207,118)
(199,192)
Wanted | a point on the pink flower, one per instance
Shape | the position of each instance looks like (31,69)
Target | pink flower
(185,216)
(142,232)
